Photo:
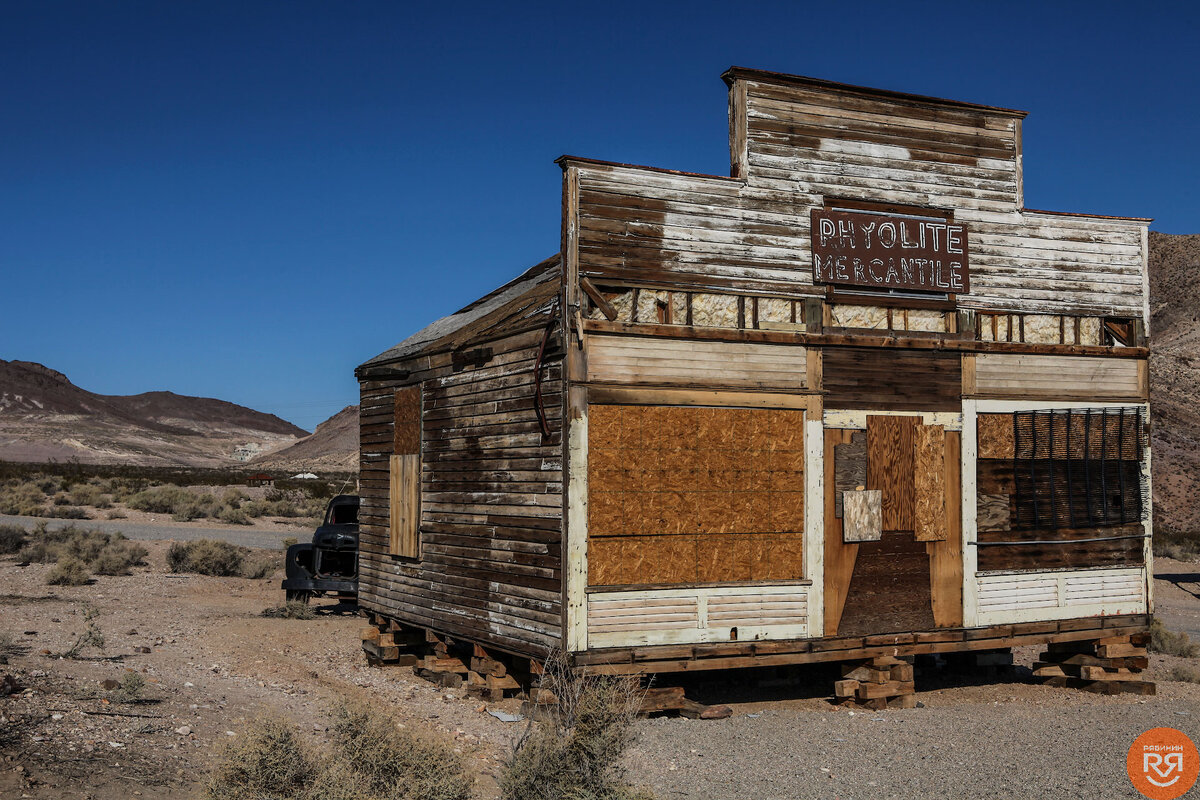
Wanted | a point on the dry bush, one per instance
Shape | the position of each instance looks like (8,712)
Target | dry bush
(292,609)
(1170,643)
(577,755)
(1183,673)
(267,761)
(1179,545)
(22,499)
(92,636)
(130,688)
(233,515)
(160,500)
(370,759)
(118,557)
(12,539)
(102,553)
(393,764)
(69,571)
(206,557)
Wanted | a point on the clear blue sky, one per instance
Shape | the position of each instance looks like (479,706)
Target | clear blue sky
(246,200)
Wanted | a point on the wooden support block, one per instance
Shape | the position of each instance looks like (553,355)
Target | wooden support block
(662,699)
(489,666)
(845,688)
(903,701)
(501,682)
(1103,674)
(1113,640)
(867,674)
(870,691)
(902,672)
(1119,650)
(1044,670)
(386,640)
(886,661)
(380,653)
(369,634)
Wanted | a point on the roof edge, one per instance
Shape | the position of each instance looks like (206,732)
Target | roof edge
(1087,216)
(565,161)
(765,76)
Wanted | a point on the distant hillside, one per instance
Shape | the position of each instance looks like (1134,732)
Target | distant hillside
(332,446)
(44,416)
(1175,379)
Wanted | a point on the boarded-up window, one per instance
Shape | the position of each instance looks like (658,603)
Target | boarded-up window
(404,485)
(694,495)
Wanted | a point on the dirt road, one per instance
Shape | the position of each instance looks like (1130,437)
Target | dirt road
(214,663)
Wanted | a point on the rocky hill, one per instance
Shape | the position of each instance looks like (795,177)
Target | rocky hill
(332,446)
(1175,379)
(44,416)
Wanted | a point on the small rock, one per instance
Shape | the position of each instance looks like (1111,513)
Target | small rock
(183,730)
(131,632)
(141,649)
(109,684)
(230,733)
(482,707)
(116,744)
(189,685)
(31,633)
(56,717)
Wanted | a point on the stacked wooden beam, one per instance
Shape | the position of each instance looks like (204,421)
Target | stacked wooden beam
(386,643)
(489,677)
(876,683)
(1110,665)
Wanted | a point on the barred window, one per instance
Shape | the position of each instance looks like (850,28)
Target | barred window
(1078,468)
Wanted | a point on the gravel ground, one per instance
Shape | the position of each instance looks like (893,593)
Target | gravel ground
(246,537)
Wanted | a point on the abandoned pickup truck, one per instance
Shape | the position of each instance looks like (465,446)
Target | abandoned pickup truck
(329,563)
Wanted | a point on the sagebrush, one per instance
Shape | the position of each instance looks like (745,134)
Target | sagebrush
(1171,643)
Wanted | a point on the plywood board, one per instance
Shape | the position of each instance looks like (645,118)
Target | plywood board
(406,413)
(929,479)
(863,516)
(995,435)
(946,557)
(890,464)
(993,512)
(404,518)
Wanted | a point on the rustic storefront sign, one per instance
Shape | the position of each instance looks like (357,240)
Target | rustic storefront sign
(886,251)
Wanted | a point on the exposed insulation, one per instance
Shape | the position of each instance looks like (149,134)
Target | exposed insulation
(1043,329)
(995,432)
(649,305)
(622,303)
(679,306)
(406,438)
(707,477)
(924,319)
(715,310)
(984,321)
(772,309)
(846,316)
(929,478)
(1089,331)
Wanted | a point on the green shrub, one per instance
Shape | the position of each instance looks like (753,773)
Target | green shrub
(69,571)
(130,688)
(1170,643)
(85,495)
(162,500)
(267,761)
(261,563)
(12,539)
(578,753)
(206,557)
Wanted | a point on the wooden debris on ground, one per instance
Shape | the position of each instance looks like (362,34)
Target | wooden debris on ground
(876,683)
(1111,665)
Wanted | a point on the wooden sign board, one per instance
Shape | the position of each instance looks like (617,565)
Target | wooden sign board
(890,251)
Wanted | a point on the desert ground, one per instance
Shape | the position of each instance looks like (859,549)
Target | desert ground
(212,663)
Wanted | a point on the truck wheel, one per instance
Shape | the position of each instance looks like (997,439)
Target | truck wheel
(298,596)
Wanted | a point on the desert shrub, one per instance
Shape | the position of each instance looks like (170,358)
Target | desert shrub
(116,515)
(577,755)
(69,571)
(268,761)
(67,512)
(387,762)
(12,539)
(22,499)
(292,609)
(130,688)
(118,557)
(233,515)
(233,497)
(85,494)
(1183,673)
(161,500)
(261,563)
(206,557)
(61,499)
(1170,643)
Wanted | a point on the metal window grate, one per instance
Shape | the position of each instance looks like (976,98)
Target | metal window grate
(1078,468)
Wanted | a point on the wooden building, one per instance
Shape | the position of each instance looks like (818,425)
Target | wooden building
(853,400)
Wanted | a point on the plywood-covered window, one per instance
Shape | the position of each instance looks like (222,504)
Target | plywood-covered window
(694,495)
(1070,482)
(404,485)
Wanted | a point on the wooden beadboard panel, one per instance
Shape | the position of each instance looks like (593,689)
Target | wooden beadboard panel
(697,615)
(656,361)
(1063,594)
(1056,377)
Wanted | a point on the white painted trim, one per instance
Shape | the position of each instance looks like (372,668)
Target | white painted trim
(1005,406)
(576,635)
(814,519)
(1148,526)
(969,502)
(1047,596)
(857,420)
(701,631)
(1146,279)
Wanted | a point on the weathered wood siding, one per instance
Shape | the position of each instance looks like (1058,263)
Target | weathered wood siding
(491,499)
(801,145)
(1059,377)
(650,360)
